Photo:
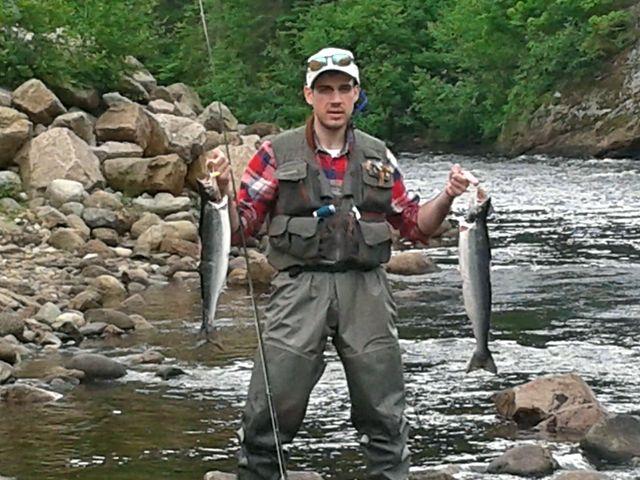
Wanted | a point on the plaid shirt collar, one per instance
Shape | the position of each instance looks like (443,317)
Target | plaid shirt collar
(314,143)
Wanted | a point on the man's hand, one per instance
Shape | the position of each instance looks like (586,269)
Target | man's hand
(459,181)
(217,164)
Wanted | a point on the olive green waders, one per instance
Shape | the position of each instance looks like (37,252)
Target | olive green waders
(355,309)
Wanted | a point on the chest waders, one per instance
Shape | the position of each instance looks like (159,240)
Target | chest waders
(330,285)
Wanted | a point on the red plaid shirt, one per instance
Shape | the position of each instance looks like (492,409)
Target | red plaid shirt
(259,191)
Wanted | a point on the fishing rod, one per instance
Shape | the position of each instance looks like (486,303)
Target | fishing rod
(256,316)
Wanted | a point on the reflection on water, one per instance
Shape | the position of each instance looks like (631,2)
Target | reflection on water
(566,272)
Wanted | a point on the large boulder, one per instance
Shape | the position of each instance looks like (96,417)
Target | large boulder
(37,101)
(124,122)
(15,130)
(218,117)
(538,400)
(615,439)
(184,94)
(5,97)
(133,176)
(61,191)
(140,74)
(87,99)
(186,137)
(524,460)
(110,150)
(80,122)
(97,367)
(58,153)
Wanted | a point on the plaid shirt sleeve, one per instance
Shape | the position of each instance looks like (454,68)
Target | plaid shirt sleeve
(405,205)
(258,191)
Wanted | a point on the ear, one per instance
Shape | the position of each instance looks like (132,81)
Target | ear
(308,95)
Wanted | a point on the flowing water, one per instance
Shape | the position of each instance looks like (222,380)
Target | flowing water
(566,277)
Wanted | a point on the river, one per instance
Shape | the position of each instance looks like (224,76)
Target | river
(566,276)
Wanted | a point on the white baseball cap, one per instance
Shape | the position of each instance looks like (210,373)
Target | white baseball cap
(331,59)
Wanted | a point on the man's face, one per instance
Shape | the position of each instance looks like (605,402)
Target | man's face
(332,97)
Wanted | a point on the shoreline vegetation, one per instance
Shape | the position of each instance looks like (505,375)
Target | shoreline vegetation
(463,75)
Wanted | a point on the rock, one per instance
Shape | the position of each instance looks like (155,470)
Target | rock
(163,204)
(180,247)
(261,270)
(262,129)
(161,106)
(10,181)
(135,304)
(110,150)
(134,176)
(108,315)
(135,275)
(291,475)
(124,122)
(73,209)
(114,99)
(147,220)
(148,357)
(90,298)
(140,322)
(10,324)
(410,263)
(48,313)
(615,439)
(80,122)
(102,199)
(58,153)
(158,143)
(181,229)
(186,137)
(61,191)
(106,235)
(430,475)
(240,156)
(93,271)
(15,130)
(49,217)
(38,102)
(184,94)
(149,241)
(6,372)
(169,371)
(87,99)
(133,89)
(182,264)
(525,460)
(141,74)
(100,217)
(251,141)
(573,421)
(67,239)
(93,329)
(218,117)
(9,353)
(97,367)
(237,277)
(179,216)
(161,93)
(19,394)
(123,252)
(582,475)
(111,290)
(97,247)
(9,205)
(76,318)
(5,97)
(532,402)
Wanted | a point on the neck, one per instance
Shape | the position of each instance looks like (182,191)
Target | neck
(330,138)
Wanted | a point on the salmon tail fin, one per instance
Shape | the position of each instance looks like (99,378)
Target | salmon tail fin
(482,360)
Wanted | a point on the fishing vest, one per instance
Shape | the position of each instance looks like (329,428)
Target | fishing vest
(357,236)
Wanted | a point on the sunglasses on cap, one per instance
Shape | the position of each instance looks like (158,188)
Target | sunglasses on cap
(338,59)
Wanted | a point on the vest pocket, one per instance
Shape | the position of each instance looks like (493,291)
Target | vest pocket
(374,246)
(278,237)
(376,186)
(304,241)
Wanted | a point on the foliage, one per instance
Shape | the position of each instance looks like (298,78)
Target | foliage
(454,70)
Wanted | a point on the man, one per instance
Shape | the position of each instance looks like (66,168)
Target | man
(331,192)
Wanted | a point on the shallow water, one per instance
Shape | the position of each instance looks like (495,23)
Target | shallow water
(566,272)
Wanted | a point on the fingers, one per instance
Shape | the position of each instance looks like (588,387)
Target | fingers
(459,180)
(216,161)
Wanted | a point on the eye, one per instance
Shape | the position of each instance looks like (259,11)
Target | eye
(345,88)
(324,89)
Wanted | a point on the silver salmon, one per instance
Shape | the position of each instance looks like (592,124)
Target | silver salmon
(474,259)
(215,241)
